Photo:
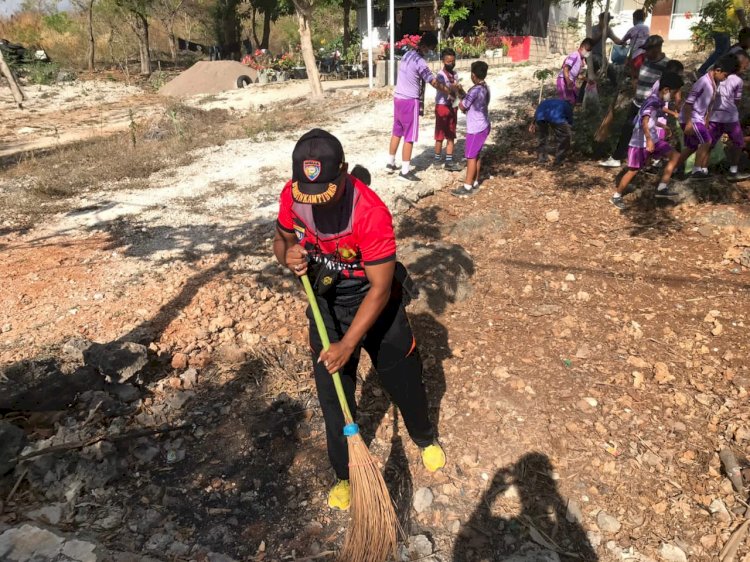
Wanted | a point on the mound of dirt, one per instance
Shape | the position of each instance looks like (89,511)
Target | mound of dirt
(207,77)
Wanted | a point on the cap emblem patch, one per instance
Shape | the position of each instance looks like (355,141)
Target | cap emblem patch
(311,168)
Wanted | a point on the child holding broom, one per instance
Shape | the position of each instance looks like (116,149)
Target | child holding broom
(335,229)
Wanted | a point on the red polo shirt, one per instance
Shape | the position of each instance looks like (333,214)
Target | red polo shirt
(357,231)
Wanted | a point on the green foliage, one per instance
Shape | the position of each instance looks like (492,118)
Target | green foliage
(453,11)
(465,47)
(40,72)
(712,16)
(59,22)
(544,74)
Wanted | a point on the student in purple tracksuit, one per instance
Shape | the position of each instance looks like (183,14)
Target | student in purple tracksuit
(725,118)
(413,74)
(696,110)
(476,106)
(645,142)
(571,68)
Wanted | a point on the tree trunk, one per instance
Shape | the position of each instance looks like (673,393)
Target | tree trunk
(589,23)
(604,30)
(266,29)
(140,26)
(15,89)
(347,34)
(308,54)
(92,42)
(255,31)
(172,42)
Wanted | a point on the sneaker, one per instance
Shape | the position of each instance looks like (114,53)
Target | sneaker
(700,175)
(461,191)
(433,457)
(437,162)
(452,167)
(610,163)
(340,496)
(408,176)
(618,202)
(739,176)
(665,193)
(392,168)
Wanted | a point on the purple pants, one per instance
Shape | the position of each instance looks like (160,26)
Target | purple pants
(564,92)
(733,130)
(474,143)
(700,136)
(638,157)
(406,119)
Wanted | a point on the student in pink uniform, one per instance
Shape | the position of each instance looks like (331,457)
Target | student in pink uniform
(725,118)
(645,143)
(571,68)
(476,106)
(694,117)
(413,74)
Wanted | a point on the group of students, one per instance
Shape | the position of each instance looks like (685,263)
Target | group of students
(408,106)
(708,112)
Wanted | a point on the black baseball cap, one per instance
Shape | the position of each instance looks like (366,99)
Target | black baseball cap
(318,167)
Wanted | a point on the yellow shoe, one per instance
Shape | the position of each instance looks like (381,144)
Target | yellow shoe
(433,457)
(340,496)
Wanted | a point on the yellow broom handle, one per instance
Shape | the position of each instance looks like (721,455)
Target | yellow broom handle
(326,344)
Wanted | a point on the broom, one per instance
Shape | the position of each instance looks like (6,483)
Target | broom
(372,534)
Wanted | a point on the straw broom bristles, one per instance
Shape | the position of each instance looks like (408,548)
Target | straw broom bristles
(372,535)
(372,532)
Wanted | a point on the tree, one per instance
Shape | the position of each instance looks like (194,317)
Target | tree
(454,13)
(347,36)
(271,10)
(136,13)
(88,7)
(91,55)
(304,9)
(167,12)
(227,27)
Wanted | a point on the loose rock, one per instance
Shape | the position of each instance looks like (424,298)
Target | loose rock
(422,499)
(607,523)
(672,553)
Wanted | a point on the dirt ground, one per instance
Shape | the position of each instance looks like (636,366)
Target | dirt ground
(584,366)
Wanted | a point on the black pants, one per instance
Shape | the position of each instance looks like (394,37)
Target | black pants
(621,151)
(562,134)
(391,346)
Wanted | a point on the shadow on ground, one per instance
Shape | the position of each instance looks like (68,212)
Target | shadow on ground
(528,485)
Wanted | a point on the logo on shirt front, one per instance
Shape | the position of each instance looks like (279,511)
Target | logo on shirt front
(347,254)
(311,169)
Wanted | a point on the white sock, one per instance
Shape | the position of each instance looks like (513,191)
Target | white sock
(405,167)
(392,159)
(662,186)
(733,169)
(467,187)
(616,196)
(476,183)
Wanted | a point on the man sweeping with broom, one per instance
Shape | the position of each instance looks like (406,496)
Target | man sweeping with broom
(335,231)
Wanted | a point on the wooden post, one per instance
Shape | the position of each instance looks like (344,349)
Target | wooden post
(5,70)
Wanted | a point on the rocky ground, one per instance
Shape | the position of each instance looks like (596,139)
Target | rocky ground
(585,367)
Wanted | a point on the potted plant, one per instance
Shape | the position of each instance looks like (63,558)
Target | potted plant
(284,66)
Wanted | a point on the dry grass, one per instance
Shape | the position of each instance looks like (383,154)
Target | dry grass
(37,184)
